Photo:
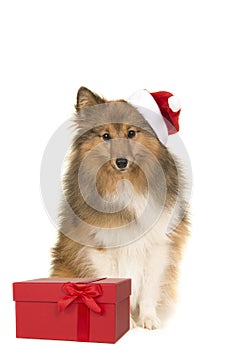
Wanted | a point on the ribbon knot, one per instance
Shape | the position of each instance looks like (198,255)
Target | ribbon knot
(84,292)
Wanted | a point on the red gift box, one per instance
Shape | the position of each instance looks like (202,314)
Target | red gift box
(78,309)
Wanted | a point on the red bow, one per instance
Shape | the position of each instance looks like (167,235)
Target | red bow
(84,292)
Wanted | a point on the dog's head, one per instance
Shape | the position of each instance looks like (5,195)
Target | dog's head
(113,133)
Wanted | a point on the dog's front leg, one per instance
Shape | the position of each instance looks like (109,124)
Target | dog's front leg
(155,267)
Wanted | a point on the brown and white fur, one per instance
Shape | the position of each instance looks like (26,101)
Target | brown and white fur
(120,237)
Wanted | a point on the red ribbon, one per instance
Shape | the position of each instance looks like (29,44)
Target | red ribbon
(85,293)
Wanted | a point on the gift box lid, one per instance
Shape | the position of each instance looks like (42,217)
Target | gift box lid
(50,289)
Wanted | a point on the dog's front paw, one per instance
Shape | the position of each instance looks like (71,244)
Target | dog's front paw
(149,321)
(132,323)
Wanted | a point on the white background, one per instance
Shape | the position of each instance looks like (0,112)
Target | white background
(48,50)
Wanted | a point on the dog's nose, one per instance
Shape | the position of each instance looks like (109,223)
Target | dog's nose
(121,163)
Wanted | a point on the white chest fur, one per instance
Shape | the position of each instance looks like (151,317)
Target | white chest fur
(143,260)
(140,252)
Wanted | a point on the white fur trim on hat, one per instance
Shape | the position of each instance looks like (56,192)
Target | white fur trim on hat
(147,106)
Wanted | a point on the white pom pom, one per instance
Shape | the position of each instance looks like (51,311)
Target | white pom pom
(174,104)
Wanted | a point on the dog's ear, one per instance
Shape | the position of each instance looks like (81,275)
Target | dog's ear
(87,98)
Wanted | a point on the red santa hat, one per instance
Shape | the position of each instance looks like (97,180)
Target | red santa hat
(160,109)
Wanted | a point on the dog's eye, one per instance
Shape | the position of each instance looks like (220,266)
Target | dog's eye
(131,134)
(106,137)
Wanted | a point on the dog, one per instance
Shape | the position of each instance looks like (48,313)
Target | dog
(123,213)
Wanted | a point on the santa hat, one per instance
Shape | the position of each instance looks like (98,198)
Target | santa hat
(160,109)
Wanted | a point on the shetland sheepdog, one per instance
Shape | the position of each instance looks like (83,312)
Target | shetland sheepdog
(123,213)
